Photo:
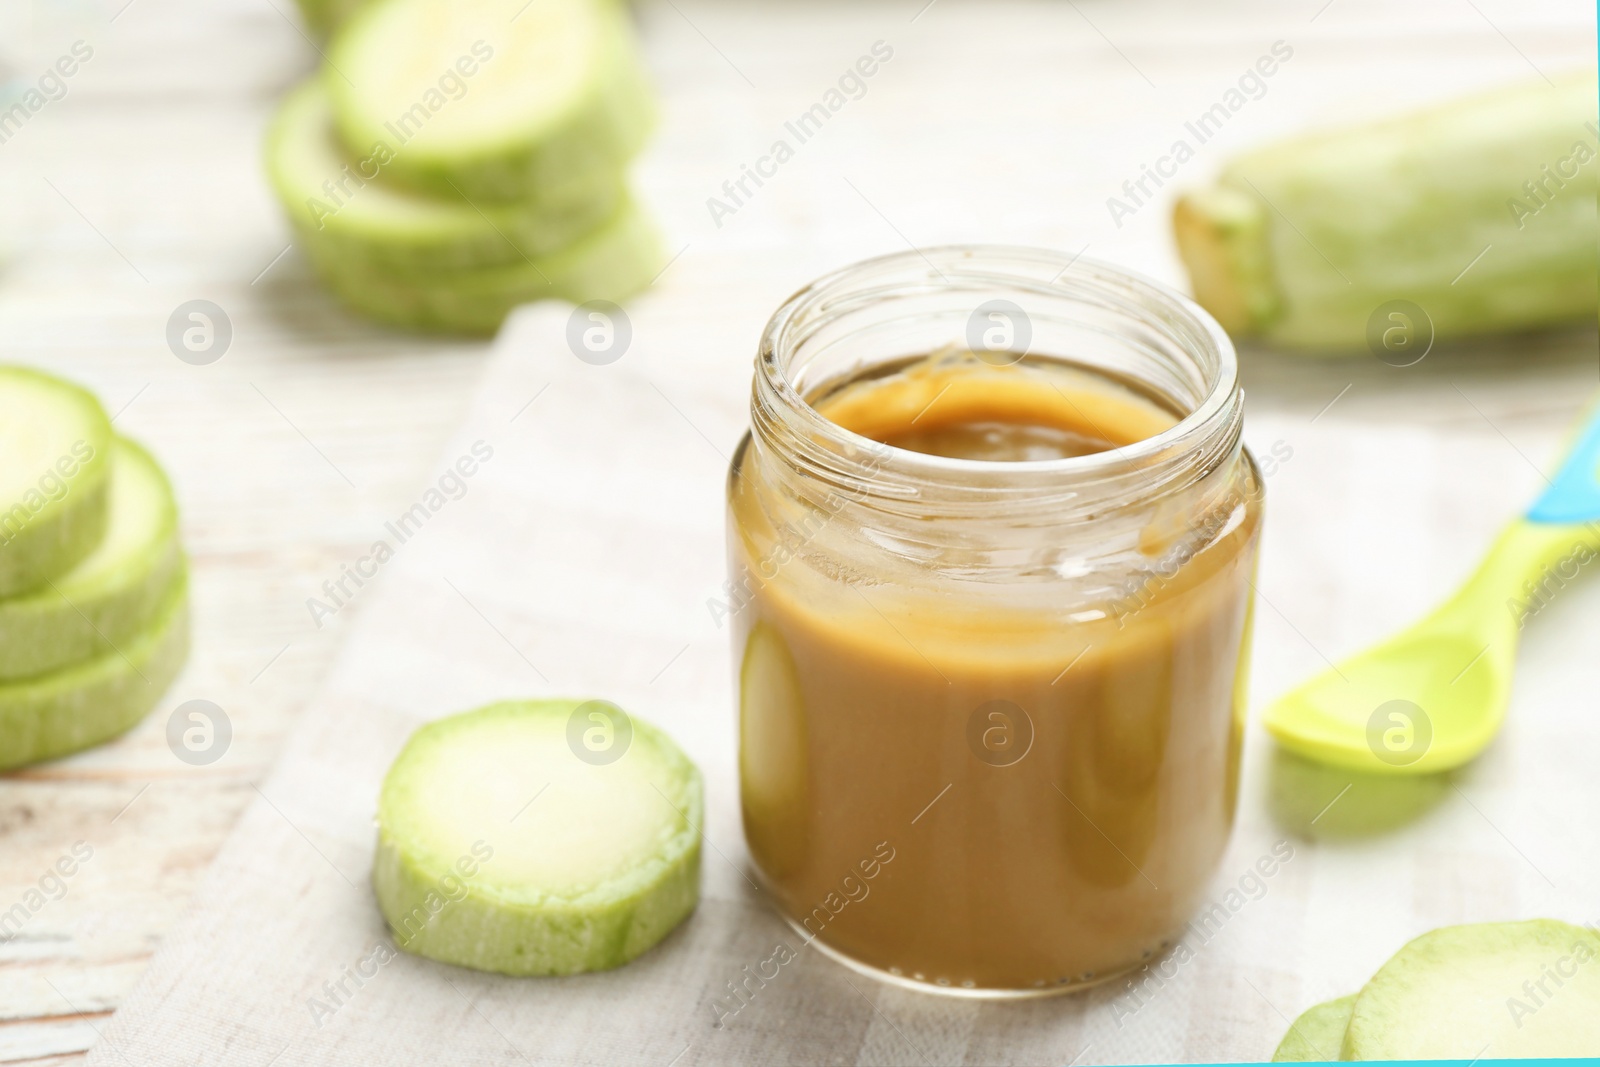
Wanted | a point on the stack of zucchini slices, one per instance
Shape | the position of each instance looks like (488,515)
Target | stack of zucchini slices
(456,158)
(93,584)
(1484,991)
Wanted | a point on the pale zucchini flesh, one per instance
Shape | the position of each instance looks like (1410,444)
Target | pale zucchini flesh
(352,207)
(92,701)
(1318,1034)
(55,443)
(1490,991)
(108,598)
(611,263)
(500,849)
(556,95)
(1480,212)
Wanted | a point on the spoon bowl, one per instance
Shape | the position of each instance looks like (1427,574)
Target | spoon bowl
(1432,697)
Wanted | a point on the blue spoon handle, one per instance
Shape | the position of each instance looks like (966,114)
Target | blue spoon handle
(1574,496)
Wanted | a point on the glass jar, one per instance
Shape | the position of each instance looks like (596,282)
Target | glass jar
(991,710)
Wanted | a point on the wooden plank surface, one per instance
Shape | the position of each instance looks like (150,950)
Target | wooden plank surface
(137,191)
(140,189)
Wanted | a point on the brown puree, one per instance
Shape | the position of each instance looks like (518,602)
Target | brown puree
(1054,777)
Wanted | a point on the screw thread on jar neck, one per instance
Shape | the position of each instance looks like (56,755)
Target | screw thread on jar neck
(1093,314)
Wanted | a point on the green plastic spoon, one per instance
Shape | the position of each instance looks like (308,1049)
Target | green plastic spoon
(1431,698)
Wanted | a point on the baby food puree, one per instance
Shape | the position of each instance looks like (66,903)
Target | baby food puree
(1026,729)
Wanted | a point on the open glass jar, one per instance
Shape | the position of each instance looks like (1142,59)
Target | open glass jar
(991,704)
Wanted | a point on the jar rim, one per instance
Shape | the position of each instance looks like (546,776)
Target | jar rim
(1185,323)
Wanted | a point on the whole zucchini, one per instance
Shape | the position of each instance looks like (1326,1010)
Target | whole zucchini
(1480,212)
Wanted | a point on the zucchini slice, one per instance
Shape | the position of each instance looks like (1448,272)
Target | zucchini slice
(1318,1034)
(609,263)
(54,459)
(355,210)
(105,601)
(501,849)
(1493,990)
(491,99)
(89,702)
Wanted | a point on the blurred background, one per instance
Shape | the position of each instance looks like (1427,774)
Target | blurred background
(140,187)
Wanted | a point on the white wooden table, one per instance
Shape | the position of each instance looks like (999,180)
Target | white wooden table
(141,189)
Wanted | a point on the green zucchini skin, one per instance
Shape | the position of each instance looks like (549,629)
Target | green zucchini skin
(1462,210)
(550,940)
(41,538)
(605,125)
(351,208)
(469,910)
(612,263)
(1318,1034)
(101,604)
(86,703)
